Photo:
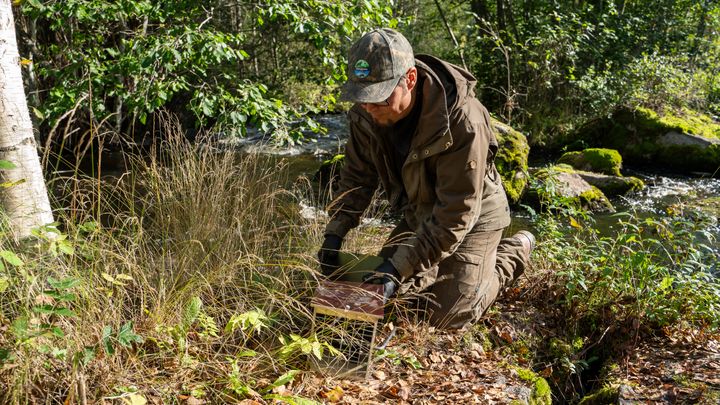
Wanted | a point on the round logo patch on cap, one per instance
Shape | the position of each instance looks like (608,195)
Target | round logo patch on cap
(362,69)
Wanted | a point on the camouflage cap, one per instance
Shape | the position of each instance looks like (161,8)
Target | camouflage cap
(376,62)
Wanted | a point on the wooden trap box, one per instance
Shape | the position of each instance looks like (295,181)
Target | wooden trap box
(347,314)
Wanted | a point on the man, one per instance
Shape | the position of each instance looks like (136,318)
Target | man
(417,130)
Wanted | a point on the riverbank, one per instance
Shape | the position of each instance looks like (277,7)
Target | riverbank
(188,279)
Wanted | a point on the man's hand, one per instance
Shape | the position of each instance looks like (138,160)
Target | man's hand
(328,254)
(387,275)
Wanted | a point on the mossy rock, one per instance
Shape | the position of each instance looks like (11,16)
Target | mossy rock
(683,141)
(563,185)
(598,160)
(541,393)
(604,396)
(512,159)
(613,186)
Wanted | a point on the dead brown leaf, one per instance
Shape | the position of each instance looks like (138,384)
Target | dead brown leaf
(334,395)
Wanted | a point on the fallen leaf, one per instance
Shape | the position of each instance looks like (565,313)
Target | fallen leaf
(194,401)
(334,395)
(134,399)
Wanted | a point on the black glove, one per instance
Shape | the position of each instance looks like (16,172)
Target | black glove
(387,275)
(328,254)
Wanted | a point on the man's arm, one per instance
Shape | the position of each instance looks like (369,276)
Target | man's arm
(357,184)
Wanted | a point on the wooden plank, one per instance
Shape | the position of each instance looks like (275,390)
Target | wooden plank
(350,300)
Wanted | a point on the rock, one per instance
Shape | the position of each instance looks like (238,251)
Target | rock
(612,186)
(541,393)
(599,160)
(562,185)
(684,141)
(673,138)
(512,159)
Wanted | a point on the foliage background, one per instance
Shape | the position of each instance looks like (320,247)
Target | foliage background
(543,66)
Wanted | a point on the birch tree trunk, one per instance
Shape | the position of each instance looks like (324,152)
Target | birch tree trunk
(25,203)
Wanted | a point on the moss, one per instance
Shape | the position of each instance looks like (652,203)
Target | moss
(604,396)
(541,393)
(511,160)
(595,199)
(598,160)
(619,185)
(689,122)
(635,133)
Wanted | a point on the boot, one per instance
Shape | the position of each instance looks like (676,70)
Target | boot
(528,242)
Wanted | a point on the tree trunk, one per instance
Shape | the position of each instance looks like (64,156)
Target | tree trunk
(480,10)
(26,203)
(502,26)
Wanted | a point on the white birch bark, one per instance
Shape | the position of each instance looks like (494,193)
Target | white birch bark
(26,204)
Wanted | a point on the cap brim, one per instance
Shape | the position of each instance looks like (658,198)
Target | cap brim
(368,92)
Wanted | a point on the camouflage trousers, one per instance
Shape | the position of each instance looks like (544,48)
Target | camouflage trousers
(459,290)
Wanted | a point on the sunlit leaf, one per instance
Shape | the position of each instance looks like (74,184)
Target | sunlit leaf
(11,258)
(5,165)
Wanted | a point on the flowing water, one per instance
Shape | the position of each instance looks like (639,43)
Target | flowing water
(663,192)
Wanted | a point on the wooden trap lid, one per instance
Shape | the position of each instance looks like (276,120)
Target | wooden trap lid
(349,300)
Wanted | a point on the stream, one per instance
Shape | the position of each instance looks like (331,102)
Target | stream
(662,192)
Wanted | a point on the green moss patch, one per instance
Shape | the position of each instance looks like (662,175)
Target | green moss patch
(686,121)
(541,393)
(599,160)
(604,396)
(511,160)
(638,135)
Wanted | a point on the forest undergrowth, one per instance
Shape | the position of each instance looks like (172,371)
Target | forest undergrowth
(190,275)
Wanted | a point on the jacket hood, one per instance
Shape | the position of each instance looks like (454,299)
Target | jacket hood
(446,88)
(458,83)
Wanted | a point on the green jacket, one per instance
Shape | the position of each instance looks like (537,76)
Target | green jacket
(449,177)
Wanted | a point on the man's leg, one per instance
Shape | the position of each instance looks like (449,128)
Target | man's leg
(470,280)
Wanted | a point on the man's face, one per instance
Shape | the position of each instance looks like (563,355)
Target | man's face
(399,103)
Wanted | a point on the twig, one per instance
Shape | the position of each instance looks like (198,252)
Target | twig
(452,35)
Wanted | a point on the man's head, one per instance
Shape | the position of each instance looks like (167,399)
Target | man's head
(381,75)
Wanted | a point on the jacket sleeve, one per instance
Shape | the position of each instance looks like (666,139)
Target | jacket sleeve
(459,173)
(357,184)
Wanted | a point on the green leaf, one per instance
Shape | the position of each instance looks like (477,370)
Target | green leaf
(4,283)
(247,353)
(291,400)
(67,297)
(6,356)
(191,312)
(5,165)
(87,355)
(21,328)
(282,380)
(666,283)
(106,341)
(52,310)
(66,248)
(11,258)
(126,336)
(64,283)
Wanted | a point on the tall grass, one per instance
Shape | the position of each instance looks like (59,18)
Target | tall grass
(177,277)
